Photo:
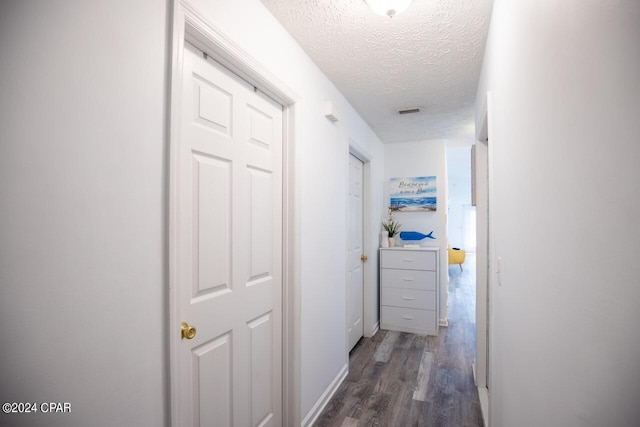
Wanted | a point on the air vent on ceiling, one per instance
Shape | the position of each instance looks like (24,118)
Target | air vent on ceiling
(409,111)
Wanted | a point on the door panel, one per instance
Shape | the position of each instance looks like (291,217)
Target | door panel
(261,372)
(260,189)
(212,105)
(229,249)
(211,185)
(355,284)
(213,360)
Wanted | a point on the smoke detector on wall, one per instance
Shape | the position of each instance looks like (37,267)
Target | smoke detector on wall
(330,111)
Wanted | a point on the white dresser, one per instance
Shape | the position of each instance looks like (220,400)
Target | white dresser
(409,290)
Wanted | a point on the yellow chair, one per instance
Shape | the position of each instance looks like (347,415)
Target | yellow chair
(456,256)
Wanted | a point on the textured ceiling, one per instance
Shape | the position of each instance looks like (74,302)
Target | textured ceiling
(429,57)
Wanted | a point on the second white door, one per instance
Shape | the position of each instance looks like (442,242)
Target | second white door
(355,251)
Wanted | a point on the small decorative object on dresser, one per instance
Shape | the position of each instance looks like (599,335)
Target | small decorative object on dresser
(384,239)
(413,236)
(392,227)
(410,290)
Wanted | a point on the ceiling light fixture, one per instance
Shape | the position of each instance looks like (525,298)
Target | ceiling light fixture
(388,8)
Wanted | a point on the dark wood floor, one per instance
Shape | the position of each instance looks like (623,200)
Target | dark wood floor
(400,379)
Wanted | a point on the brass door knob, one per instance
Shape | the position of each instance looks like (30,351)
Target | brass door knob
(363,258)
(187,331)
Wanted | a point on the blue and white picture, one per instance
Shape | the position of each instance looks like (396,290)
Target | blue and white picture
(413,194)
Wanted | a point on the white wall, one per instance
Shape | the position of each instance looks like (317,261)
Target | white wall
(84,172)
(82,203)
(565,348)
(422,158)
(459,185)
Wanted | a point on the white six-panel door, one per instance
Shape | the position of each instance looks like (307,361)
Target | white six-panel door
(355,289)
(229,199)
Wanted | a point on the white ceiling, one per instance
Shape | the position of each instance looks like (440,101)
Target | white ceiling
(429,57)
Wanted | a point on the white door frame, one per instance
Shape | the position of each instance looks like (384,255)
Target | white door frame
(481,250)
(348,247)
(484,252)
(190,25)
(369,273)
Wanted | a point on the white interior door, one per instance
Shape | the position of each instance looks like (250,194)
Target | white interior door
(229,246)
(355,284)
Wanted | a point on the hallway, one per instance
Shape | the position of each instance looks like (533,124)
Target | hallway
(401,379)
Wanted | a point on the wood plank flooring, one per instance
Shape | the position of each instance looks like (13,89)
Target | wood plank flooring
(398,379)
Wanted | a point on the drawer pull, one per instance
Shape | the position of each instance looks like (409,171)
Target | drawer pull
(407,317)
(408,260)
(408,298)
(408,279)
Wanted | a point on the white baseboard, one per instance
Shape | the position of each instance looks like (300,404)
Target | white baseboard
(376,328)
(473,369)
(373,331)
(315,412)
(483,394)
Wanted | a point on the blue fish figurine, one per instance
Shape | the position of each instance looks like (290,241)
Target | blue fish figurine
(415,235)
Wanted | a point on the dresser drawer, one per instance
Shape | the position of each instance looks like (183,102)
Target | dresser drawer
(409,279)
(409,320)
(409,298)
(413,260)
